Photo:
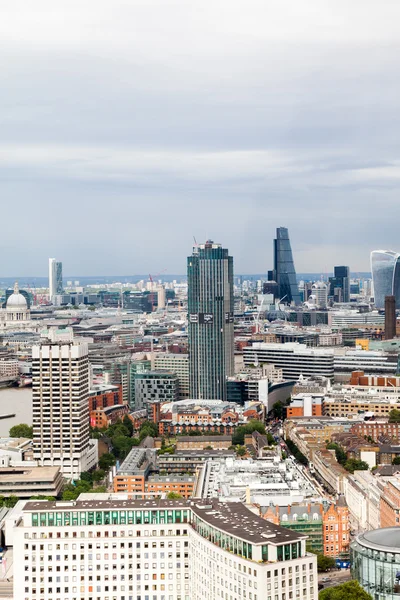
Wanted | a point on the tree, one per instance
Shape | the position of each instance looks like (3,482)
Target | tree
(127,422)
(346,591)
(242,430)
(173,496)
(277,410)
(270,440)
(86,476)
(394,416)
(148,428)
(325,562)
(340,454)
(396,460)
(98,475)
(11,501)
(194,432)
(22,430)
(356,465)
(123,445)
(106,461)
(241,450)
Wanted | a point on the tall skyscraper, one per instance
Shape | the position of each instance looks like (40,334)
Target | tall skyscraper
(60,390)
(55,277)
(284,272)
(210,308)
(385,267)
(339,284)
(390,317)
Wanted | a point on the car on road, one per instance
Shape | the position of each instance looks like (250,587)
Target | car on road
(326,579)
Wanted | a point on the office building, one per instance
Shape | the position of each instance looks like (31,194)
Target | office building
(385,268)
(375,562)
(339,284)
(294,359)
(55,278)
(284,273)
(178,364)
(390,317)
(159,550)
(319,294)
(60,392)
(155,387)
(210,308)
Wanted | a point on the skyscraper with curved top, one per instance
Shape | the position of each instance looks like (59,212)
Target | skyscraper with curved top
(385,268)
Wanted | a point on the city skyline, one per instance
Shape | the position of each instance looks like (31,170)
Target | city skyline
(259,115)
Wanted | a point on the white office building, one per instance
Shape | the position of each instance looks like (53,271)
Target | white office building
(60,391)
(294,359)
(157,550)
(55,278)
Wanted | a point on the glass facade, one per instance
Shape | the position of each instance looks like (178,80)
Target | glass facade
(210,320)
(285,273)
(385,267)
(377,567)
(109,517)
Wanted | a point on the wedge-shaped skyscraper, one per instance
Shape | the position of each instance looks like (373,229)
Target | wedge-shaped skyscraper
(284,272)
(385,268)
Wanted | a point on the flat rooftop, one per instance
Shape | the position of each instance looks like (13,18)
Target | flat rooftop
(233,518)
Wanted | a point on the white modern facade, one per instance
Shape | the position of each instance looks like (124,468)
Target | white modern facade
(319,291)
(60,391)
(294,359)
(55,278)
(157,550)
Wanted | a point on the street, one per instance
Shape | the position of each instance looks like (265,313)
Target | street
(336,578)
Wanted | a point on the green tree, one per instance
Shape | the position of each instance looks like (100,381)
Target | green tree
(42,498)
(356,465)
(106,461)
(22,430)
(340,454)
(11,501)
(270,440)
(277,410)
(69,495)
(127,422)
(396,460)
(86,476)
(148,428)
(242,430)
(173,496)
(240,450)
(123,445)
(346,591)
(98,475)
(325,562)
(394,416)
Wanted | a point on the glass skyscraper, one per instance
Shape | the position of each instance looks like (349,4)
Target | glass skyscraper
(284,272)
(55,277)
(340,284)
(385,268)
(210,320)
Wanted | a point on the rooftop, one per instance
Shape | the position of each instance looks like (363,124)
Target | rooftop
(381,539)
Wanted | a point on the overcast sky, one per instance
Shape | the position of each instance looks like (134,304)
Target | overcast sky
(128,127)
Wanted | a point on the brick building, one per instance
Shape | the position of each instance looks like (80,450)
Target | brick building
(326,525)
(390,504)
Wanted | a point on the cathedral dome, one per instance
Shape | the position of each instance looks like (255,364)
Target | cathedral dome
(16,300)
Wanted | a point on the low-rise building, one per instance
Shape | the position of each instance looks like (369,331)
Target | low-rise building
(25,482)
(210,442)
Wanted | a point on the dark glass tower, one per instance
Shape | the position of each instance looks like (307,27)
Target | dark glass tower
(284,272)
(339,284)
(210,320)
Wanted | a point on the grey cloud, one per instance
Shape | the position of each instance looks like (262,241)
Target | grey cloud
(124,133)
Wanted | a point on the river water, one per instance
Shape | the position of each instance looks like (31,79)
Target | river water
(18,401)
